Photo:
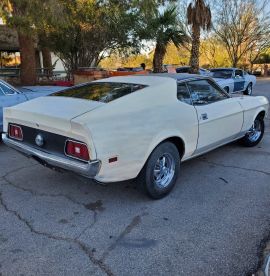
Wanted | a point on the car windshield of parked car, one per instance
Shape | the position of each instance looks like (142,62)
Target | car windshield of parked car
(7,90)
(182,70)
(222,74)
(102,92)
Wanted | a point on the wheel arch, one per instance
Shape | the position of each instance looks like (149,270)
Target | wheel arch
(227,89)
(250,82)
(261,114)
(176,140)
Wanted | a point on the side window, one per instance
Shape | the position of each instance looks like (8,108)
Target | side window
(238,73)
(205,92)
(183,94)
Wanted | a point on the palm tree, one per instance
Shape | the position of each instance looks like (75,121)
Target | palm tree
(164,28)
(199,17)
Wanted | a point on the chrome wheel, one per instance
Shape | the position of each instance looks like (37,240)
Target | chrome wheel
(164,170)
(249,89)
(255,132)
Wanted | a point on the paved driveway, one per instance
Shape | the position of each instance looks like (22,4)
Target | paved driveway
(213,223)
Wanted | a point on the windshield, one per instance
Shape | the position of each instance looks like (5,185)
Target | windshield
(222,74)
(7,89)
(102,92)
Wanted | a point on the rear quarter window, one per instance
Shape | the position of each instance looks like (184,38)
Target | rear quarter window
(101,92)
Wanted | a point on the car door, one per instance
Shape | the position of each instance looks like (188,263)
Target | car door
(220,117)
(239,80)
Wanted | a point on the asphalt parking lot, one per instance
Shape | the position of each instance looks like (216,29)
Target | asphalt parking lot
(215,222)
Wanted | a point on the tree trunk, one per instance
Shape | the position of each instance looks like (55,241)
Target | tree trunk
(28,59)
(159,54)
(235,62)
(47,60)
(265,70)
(195,50)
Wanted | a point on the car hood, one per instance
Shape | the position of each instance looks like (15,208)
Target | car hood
(50,113)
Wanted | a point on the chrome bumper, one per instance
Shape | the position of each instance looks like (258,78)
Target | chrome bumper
(89,169)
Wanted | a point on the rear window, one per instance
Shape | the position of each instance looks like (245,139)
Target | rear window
(101,92)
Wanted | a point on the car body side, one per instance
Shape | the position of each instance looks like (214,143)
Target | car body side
(131,127)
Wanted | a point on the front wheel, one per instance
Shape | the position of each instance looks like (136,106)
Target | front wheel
(255,134)
(160,172)
(249,90)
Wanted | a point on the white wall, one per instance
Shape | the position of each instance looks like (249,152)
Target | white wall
(59,65)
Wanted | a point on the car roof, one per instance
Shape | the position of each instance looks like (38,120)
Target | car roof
(152,79)
(179,76)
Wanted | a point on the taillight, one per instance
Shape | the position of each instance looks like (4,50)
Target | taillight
(77,150)
(15,132)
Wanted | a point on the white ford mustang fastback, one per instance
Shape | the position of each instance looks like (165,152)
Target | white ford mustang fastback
(133,127)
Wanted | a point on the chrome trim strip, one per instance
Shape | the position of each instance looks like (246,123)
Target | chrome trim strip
(216,145)
(89,169)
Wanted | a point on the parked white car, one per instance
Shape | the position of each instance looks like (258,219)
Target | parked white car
(133,127)
(234,80)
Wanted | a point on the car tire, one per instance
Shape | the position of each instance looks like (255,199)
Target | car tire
(160,172)
(249,90)
(255,134)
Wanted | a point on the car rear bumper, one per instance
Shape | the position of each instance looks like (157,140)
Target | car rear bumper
(89,170)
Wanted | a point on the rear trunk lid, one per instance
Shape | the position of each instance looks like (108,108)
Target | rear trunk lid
(52,114)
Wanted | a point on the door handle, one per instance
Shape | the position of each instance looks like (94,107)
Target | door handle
(204,116)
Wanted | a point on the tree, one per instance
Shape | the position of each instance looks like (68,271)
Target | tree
(29,18)
(14,12)
(90,30)
(163,27)
(243,27)
(199,17)
(80,32)
(213,53)
(167,30)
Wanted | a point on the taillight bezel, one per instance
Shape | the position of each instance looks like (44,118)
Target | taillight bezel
(13,137)
(74,157)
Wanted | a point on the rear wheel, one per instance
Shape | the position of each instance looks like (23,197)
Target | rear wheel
(160,172)
(255,134)
(249,90)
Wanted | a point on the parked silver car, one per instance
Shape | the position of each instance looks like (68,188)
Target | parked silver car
(10,96)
